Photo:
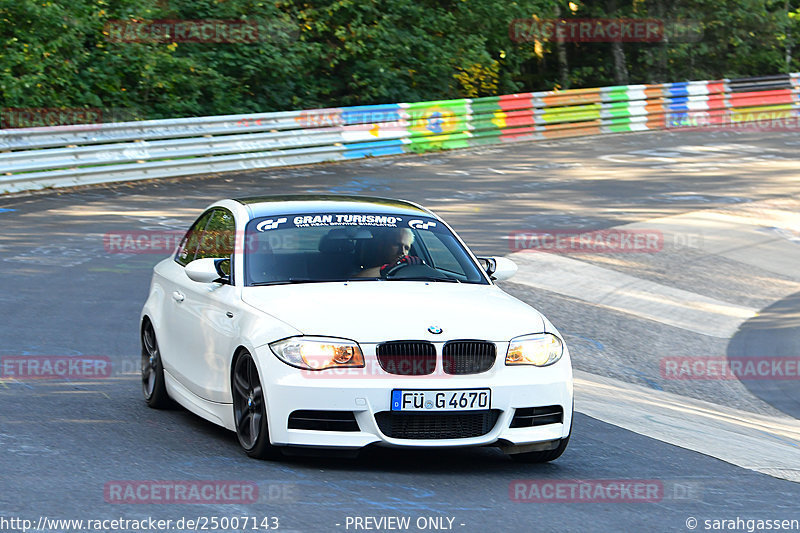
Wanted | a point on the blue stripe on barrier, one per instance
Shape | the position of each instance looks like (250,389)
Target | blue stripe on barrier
(392,147)
(370,114)
(678,89)
(678,104)
(5,210)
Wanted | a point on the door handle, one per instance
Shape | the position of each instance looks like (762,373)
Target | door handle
(178,296)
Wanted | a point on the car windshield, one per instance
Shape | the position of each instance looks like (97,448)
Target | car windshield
(308,248)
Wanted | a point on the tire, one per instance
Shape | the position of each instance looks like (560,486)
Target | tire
(153,386)
(249,410)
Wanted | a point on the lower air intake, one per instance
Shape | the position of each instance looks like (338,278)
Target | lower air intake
(527,417)
(323,420)
(436,425)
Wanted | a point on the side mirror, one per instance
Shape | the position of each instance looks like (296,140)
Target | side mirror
(498,268)
(209,270)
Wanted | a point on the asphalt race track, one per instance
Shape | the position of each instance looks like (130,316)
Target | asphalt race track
(723,283)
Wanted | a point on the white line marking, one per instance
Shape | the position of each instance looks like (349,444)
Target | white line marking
(758,234)
(766,444)
(628,294)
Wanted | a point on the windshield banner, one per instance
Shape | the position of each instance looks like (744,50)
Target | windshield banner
(344,219)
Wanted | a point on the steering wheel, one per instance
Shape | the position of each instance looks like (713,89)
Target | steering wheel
(389,270)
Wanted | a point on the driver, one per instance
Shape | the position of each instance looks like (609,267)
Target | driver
(391,247)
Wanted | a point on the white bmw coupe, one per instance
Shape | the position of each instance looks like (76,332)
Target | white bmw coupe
(344,321)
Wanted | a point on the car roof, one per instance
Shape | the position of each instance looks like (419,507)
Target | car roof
(285,204)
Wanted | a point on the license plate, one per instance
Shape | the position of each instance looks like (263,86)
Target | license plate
(441,400)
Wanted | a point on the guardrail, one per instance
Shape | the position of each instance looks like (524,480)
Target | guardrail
(58,156)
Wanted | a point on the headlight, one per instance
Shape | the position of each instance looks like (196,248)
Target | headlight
(318,353)
(541,349)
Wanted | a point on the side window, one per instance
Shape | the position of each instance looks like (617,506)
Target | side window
(191,241)
(219,237)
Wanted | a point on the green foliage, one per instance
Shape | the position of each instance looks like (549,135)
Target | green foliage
(329,53)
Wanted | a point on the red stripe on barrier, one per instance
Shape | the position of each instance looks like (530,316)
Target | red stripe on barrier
(516,101)
(716,87)
(520,118)
(781,96)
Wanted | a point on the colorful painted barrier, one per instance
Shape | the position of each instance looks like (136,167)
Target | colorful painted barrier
(60,156)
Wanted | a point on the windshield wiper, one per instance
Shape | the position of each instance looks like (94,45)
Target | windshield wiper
(426,278)
(291,281)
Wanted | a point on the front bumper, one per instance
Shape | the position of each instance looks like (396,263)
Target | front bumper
(367,391)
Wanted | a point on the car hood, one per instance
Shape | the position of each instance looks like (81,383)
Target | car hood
(377,311)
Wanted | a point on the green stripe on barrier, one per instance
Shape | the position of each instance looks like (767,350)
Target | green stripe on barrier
(616,93)
(485,107)
(621,109)
(576,113)
(623,125)
(482,138)
(488,122)
(438,142)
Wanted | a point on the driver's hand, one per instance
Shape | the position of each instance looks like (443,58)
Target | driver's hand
(405,260)
(409,260)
